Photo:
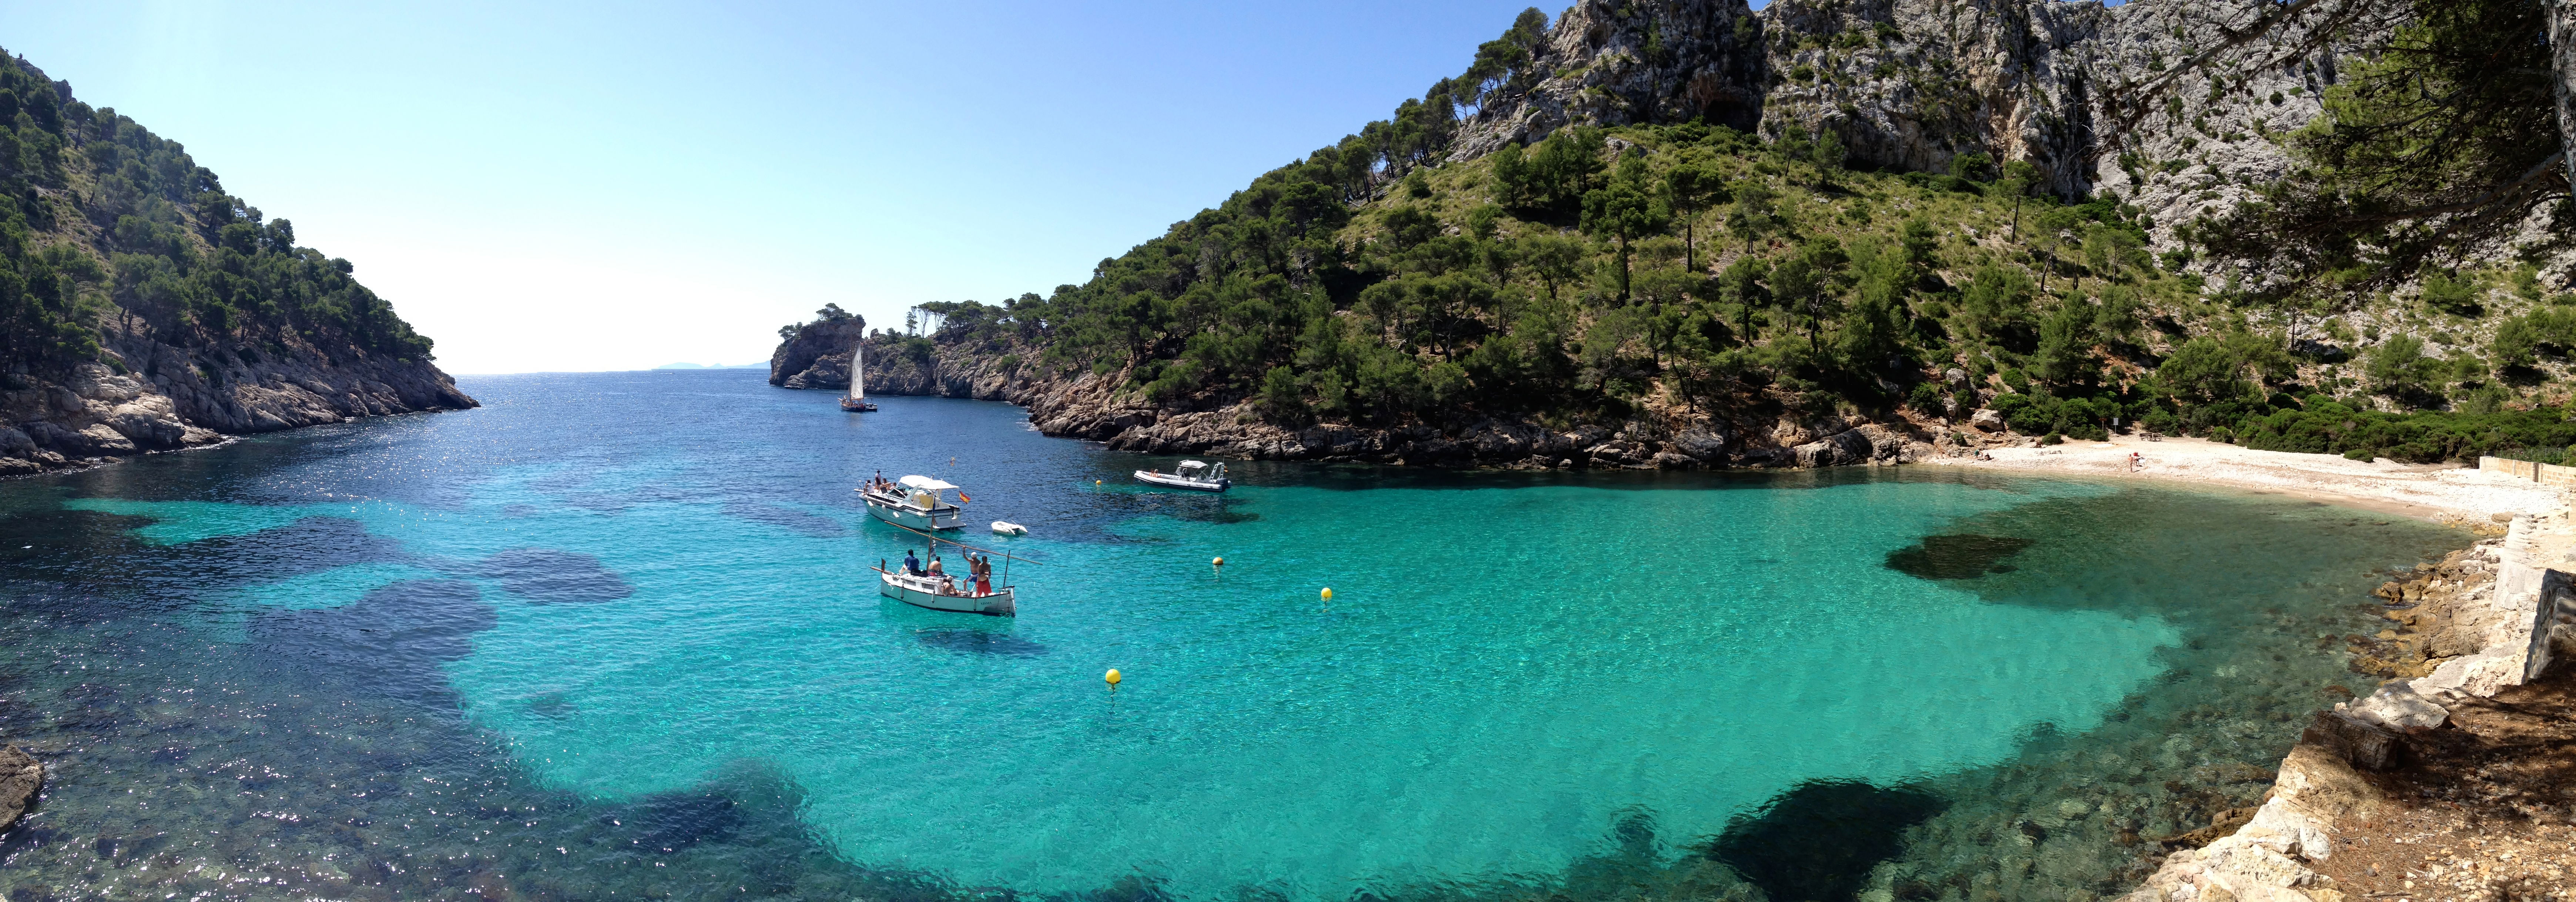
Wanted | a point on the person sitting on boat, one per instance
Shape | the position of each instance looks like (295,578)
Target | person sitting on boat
(911,565)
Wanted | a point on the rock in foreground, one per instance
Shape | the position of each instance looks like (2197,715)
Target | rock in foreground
(20,776)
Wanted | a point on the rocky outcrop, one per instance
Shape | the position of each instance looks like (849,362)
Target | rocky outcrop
(817,354)
(151,396)
(2096,98)
(21,775)
(1870,443)
(1637,62)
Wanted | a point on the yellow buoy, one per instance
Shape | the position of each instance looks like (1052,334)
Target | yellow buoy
(1328,594)
(1219,562)
(1112,677)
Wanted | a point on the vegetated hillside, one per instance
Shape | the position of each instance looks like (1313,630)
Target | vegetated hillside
(1662,293)
(143,308)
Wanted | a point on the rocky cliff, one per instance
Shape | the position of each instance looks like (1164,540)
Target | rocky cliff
(2167,104)
(816,354)
(142,308)
(158,397)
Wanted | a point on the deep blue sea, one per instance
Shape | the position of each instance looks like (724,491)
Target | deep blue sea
(613,636)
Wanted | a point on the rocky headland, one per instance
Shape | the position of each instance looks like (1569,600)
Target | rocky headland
(144,309)
(158,397)
(1100,407)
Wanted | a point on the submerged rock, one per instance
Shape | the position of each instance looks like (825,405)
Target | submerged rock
(20,776)
(393,640)
(1956,557)
(547,576)
(1820,839)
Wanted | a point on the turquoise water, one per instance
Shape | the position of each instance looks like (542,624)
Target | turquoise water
(622,593)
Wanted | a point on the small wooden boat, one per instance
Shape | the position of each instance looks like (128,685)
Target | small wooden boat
(857,400)
(1191,474)
(943,593)
(914,502)
(952,592)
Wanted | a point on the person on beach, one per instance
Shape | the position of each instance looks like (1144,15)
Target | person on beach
(2136,460)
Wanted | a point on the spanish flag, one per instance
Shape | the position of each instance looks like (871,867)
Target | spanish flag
(962,499)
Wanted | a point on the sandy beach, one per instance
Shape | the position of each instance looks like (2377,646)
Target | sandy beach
(2430,492)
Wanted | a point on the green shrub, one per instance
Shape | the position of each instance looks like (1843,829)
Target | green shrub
(2327,427)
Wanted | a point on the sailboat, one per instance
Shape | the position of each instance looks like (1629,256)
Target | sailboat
(857,400)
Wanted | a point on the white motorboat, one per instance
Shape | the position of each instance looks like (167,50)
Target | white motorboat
(1191,474)
(1007,528)
(944,593)
(857,400)
(915,502)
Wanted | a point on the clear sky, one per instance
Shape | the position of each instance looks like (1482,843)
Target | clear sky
(593,186)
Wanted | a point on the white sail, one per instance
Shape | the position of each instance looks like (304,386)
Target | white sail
(859,370)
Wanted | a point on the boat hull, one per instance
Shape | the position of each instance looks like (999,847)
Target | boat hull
(1169,481)
(901,514)
(919,592)
(854,405)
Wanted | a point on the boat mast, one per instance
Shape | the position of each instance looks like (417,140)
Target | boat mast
(933,548)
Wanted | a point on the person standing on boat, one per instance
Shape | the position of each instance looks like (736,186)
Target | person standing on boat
(983,570)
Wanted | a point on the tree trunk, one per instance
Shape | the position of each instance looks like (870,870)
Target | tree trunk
(1691,263)
(1623,270)
(2562,82)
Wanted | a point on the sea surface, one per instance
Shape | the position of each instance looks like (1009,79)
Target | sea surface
(614,636)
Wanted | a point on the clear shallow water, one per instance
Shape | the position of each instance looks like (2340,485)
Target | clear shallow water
(609,636)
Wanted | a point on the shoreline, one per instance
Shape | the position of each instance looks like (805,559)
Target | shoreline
(2446,494)
(2374,779)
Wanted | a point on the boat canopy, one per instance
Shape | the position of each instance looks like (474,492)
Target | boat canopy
(925,483)
(1192,465)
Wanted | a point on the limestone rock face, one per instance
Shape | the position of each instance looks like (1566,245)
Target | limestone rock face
(1650,61)
(2075,89)
(1987,421)
(2397,707)
(21,775)
(158,397)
